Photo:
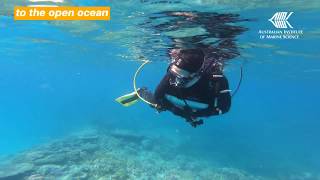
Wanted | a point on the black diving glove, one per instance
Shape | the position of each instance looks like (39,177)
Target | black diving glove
(158,107)
(194,122)
(148,96)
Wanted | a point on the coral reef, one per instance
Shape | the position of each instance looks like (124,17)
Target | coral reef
(116,155)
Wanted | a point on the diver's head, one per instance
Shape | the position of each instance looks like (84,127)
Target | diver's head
(185,67)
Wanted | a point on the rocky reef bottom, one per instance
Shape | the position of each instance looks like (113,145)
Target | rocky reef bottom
(113,155)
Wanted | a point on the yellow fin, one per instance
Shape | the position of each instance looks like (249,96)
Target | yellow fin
(128,99)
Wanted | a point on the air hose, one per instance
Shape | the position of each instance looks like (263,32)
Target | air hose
(239,83)
(135,83)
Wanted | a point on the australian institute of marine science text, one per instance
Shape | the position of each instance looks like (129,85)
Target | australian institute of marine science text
(280,34)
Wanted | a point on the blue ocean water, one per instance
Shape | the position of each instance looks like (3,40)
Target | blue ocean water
(56,79)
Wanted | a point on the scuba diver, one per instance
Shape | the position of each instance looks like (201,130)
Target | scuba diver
(194,85)
(190,89)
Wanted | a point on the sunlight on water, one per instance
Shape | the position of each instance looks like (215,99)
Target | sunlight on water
(127,17)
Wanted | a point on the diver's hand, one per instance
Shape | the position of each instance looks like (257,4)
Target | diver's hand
(194,121)
(158,107)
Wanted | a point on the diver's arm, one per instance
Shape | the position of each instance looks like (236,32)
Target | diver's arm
(157,99)
(223,106)
(159,95)
(209,111)
(219,104)
(161,89)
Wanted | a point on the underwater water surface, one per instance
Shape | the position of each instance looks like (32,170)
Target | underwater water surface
(58,82)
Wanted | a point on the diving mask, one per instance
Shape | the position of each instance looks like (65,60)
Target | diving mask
(182,78)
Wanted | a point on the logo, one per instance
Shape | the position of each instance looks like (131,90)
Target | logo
(283,31)
(280,20)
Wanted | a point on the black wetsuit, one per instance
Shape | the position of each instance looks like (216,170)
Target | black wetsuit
(210,90)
